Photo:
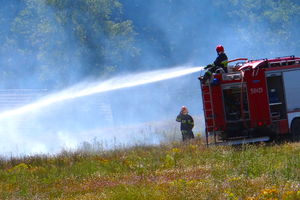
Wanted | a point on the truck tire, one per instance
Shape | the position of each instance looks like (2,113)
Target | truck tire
(295,129)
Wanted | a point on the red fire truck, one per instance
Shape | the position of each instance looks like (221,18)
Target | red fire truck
(256,100)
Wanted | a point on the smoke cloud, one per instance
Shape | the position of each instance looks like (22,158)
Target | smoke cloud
(179,31)
(123,111)
(44,51)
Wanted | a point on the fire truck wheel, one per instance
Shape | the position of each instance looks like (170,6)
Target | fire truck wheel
(295,128)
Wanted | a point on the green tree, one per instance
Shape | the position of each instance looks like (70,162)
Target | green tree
(57,42)
(268,24)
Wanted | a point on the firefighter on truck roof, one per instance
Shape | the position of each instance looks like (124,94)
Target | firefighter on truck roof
(218,66)
(186,124)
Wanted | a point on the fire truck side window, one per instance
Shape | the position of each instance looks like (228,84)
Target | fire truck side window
(232,104)
(276,97)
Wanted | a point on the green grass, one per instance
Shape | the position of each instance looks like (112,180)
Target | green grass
(175,171)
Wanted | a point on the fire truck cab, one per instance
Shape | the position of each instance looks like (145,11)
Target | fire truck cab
(257,100)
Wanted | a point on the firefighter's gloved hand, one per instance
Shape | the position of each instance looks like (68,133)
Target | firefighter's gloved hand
(208,66)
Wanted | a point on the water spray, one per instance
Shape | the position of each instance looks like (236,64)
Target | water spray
(116,83)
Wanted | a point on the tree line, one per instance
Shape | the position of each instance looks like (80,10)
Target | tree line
(56,43)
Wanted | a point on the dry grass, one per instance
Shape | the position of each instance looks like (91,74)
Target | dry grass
(175,171)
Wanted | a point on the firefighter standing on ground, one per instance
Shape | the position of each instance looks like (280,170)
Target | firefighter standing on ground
(219,65)
(187,124)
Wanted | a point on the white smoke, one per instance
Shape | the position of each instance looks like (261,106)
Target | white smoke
(54,122)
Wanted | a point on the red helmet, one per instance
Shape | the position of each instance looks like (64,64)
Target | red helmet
(220,48)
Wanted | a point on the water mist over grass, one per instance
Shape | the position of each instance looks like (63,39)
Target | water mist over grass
(116,112)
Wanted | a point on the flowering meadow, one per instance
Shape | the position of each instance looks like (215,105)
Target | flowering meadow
(171,171)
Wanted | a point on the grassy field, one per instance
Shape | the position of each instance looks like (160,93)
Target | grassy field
(174,171)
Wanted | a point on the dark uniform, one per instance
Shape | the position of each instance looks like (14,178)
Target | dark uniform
(186,126)
(219,63)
